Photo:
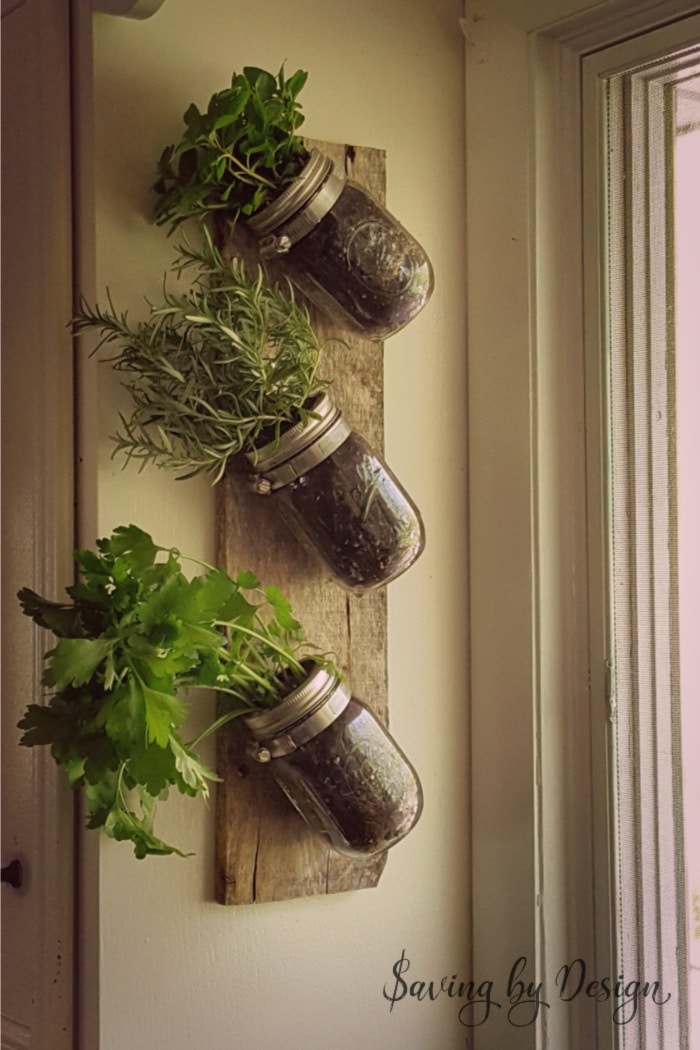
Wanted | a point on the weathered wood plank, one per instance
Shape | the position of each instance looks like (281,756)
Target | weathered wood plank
(264,851)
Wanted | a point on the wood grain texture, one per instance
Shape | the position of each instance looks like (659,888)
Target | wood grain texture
(264,851)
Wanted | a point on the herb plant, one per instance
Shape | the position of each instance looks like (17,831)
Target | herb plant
(211,369)
(135,636)
(239,154)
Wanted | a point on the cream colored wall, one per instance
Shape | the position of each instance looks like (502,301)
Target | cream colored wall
(177,970)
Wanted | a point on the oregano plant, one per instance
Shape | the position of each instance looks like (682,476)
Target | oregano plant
(134,638)
(238,154)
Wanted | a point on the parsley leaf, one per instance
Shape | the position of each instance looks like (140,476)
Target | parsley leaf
(75,660)
(63,620)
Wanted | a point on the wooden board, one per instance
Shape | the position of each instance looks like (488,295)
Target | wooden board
(264,851)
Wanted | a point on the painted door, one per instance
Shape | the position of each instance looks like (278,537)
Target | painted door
(37,509)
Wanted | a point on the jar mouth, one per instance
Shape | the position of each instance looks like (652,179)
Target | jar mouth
(299,437)
(305,712)
(295,196)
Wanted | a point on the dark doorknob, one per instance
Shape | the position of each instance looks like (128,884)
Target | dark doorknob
(13,873)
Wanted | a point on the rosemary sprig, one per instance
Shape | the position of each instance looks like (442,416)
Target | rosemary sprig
(212,368)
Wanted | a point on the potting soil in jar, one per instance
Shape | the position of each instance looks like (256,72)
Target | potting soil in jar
(340,767)
(346,252)
(340,497)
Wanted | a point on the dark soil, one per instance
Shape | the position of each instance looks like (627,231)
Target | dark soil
(356,515)
(353,784)
(361,258)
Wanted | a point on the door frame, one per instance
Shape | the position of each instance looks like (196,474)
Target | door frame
(37,510)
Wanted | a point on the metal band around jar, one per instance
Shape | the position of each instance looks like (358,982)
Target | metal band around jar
(323,447)
(287,203)
(286,236)
(306,729)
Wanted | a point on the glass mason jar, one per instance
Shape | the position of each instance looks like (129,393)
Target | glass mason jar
(345,251)
(340,498)
(338,766)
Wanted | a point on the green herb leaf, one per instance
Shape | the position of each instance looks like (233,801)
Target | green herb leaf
(194,773)
(163,711)
(247,581)
(75,660)
(134,545)
(63,620)
(153,767)
(282,608)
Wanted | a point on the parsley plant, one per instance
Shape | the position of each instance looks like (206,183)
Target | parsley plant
(136,635)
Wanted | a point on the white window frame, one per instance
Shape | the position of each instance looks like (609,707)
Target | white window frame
(542,885)
(634,156)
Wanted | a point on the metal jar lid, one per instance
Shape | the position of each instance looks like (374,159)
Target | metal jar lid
(300,207)
(302,715)
(300,448)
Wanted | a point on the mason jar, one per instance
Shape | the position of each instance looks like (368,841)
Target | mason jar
(338,765)
(340,498)
(353,259)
